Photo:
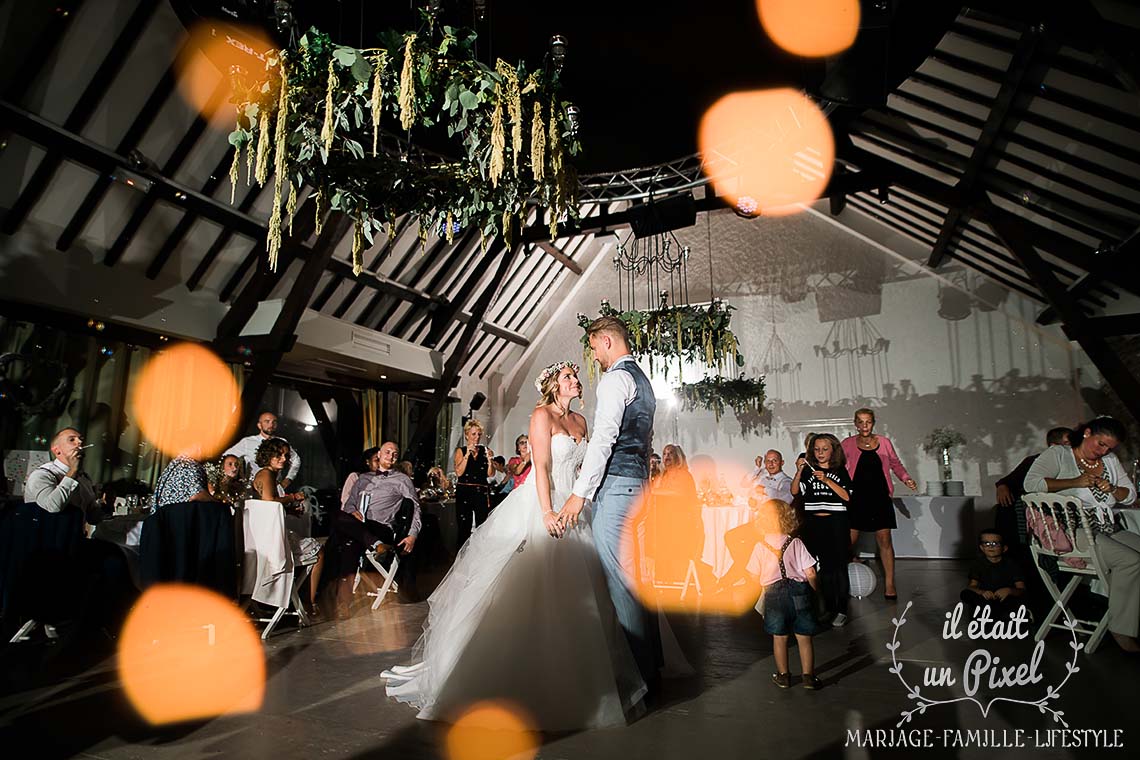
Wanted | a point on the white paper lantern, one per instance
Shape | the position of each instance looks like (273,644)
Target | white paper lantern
(862,579)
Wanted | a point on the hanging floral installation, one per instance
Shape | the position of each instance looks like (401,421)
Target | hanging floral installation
(743,395)
(700,334)
(674,334)
(320,113)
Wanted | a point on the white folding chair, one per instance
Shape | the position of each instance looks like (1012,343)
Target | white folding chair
(271,574)
(388,574)
(1059,528)
(650,563)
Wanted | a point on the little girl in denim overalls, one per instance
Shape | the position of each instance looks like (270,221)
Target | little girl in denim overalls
(786,570)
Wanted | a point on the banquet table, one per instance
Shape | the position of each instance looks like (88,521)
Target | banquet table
(718,520)
(124,531)
(121,530)
(444,511)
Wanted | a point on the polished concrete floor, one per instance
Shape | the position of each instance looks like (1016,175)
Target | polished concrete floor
(324,697)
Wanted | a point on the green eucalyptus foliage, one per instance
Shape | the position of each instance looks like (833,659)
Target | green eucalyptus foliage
(451,89)
(699,334)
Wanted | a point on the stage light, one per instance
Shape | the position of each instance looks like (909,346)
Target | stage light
(776,150)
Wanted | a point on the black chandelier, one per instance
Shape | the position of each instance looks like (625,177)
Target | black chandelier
(657,264)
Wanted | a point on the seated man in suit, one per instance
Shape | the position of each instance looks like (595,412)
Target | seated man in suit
(390,516)
(60,483)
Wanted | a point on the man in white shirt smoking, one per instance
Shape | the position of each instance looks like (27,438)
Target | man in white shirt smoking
(246,448)
(59,483)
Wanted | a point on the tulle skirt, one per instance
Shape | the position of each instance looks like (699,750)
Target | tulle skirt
(525,618)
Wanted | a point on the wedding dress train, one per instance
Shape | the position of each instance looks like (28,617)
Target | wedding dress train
(525,618)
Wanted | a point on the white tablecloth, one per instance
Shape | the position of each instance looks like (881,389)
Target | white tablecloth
(124,530)
(718,521)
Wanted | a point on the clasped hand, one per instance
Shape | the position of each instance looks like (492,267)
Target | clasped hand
(553,523)
(1087,480)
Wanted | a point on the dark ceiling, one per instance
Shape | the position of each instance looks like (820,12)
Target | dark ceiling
(643,71)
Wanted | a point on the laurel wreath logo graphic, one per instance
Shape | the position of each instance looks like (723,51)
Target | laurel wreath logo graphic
(923,701)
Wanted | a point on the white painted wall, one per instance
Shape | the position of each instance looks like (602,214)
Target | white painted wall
(995,375)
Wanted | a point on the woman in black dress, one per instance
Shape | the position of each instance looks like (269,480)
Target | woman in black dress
(473,466)
(871,459)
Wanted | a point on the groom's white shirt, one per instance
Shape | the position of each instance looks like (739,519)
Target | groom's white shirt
(615,391)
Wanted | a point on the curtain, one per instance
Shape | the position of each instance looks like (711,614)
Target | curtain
(373,405)
(140,459)
(443,437)
(239,376)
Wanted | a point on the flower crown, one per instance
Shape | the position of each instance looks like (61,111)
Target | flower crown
(551,371)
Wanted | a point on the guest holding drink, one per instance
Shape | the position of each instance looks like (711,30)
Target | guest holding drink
(369,462)
(871,459)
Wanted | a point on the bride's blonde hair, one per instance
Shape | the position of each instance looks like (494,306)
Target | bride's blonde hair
(547,383)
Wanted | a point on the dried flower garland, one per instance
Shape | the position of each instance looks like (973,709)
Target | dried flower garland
(321,103)
(699,334)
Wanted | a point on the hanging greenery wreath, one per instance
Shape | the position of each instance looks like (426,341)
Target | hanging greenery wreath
(743,395)
(699,334)
(319,114)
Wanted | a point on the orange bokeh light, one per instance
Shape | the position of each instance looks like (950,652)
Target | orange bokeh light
(769,152)
(186,398)
(212,54)
(669,529)
(811,28)
(187,653)
(492,730)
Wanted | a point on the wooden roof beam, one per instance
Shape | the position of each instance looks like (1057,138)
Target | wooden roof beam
(1077,325)
(558,255)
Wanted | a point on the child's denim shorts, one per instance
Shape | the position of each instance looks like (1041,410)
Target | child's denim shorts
(788,608)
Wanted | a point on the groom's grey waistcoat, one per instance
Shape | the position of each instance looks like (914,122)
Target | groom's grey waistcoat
(629,457)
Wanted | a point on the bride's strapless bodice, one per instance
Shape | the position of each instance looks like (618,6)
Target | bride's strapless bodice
(566,457)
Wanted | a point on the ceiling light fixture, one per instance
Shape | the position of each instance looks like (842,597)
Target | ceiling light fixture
(573,116)
(557,55)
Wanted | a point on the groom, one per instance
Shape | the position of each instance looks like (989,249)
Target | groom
(613,476)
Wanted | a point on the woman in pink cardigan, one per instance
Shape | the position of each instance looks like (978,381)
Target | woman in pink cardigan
(870,460)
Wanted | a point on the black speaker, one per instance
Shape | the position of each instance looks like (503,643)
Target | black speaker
(477,401)
(858,76)
(655,217)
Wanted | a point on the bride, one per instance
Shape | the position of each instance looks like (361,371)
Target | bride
(524,614)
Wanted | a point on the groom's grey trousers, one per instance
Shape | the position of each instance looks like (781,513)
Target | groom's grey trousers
(613,507)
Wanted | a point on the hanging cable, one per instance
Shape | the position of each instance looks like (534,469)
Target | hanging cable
(708,230)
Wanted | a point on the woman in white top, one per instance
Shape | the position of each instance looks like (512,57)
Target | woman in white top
(1089,471)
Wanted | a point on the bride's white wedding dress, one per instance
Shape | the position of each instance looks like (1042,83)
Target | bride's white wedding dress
(526,618)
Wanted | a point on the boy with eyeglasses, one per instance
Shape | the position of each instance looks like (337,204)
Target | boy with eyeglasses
(996,581)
